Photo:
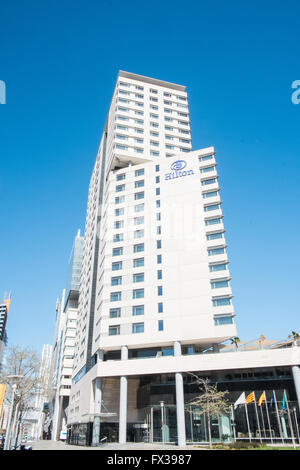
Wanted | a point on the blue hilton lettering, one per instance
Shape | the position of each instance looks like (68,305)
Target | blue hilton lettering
(177,170)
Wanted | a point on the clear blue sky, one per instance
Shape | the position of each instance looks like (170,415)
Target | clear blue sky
(60,60)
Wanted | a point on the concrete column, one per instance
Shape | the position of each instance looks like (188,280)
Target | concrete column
(123,401)
(97,406)
(296,377)
(179,400)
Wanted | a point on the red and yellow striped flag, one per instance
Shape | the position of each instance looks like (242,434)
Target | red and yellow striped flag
(261,399)
(250,397)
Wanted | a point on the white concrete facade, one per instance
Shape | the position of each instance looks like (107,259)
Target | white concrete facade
(155,268)
(64,343)
(183,263)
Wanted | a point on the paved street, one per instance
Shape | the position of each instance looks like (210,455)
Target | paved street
(58,445)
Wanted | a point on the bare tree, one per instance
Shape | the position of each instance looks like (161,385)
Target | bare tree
(20,369)
(210,401)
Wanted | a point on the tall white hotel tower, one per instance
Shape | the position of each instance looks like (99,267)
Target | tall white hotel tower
(155,285)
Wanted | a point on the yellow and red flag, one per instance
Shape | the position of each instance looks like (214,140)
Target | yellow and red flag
(250,397)
(2,393)
(261,399)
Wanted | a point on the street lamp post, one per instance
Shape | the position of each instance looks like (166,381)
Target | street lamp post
(7,433)
(8,428)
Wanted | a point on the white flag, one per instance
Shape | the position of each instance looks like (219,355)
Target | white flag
(240,401)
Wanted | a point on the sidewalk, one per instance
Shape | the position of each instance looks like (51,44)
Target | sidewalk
(59,445)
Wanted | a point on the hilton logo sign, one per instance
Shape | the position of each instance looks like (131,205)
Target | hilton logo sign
(178,170)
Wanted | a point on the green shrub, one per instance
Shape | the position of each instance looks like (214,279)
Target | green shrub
(239,445)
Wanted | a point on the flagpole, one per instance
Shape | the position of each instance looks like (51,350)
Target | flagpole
(290,421)
(257,418)
(278,419)
(295,414)
(262,416)
(248,422)
(268,418)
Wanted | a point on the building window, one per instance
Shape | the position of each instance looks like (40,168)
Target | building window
(159,274)
(217,267)
(139,184)
(119,224)
(159,290)
(160,325)
(158,259)
(221,302)
(207,169)
(123,118)
(139,195)
(114,312)
(139,277)
(205,157)
(139,172)
(157,191)
(138,248)
(138,262)
(114,330)
(115,296)
(216,220)
(119,212)
(214,236)
(138,233)
(157,203)
(139,208)
(121,147)
(118,237)
(210,181)
(156,167)
(212,207)
(219,284)
(210,194)
(138,310)
(116,266)
(138,220)
(158,243)
(216,251)
(158,230)
(138,294)
(119,199)
(226,320)
(160,307)
(116,281)
(138,328)
(117,251)
(121,176)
